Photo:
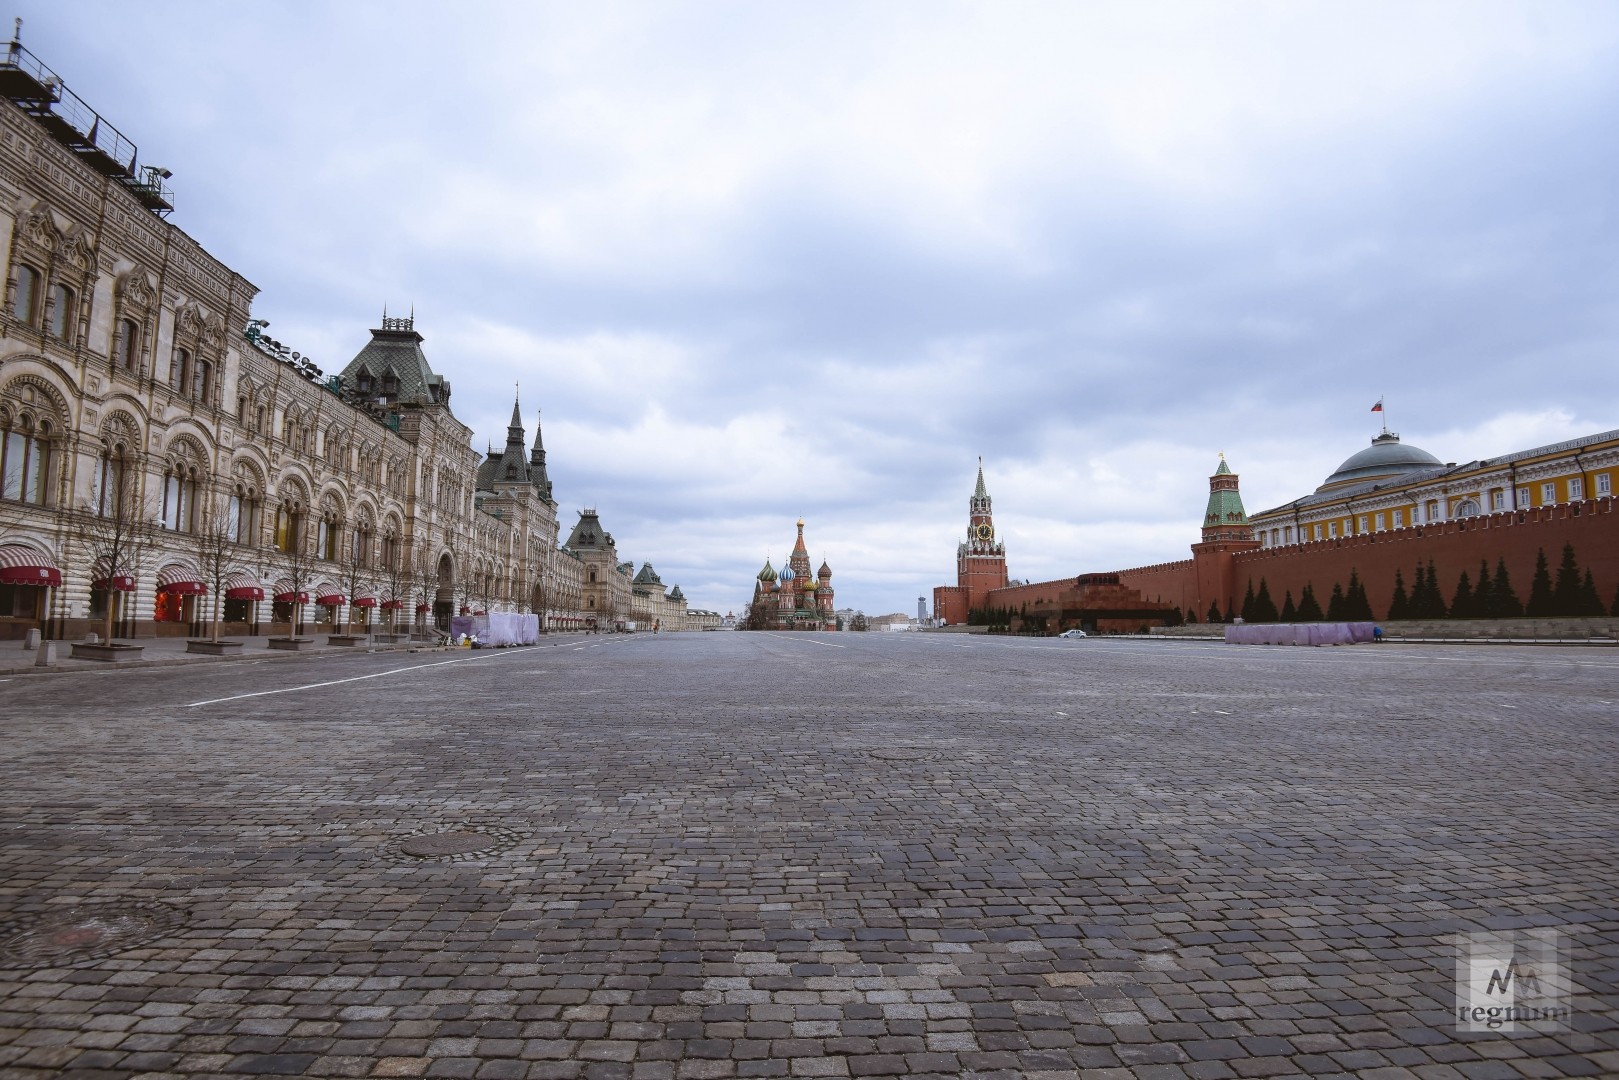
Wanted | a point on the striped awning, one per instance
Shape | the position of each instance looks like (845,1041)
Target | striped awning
(365,601)
(179,580)
(24,566)
(423,607)
(123,583)
(243,587)
(330,600)
(392,605)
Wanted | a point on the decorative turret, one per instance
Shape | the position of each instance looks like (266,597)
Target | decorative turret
(1225,519)
(825,572)
(768,573)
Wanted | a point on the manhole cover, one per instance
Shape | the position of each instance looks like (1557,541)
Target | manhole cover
(461,843)
(86,932)
(437,845)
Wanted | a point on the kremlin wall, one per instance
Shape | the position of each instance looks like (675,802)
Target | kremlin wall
(1387,509)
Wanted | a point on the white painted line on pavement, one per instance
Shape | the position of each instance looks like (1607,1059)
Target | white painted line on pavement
(338,682)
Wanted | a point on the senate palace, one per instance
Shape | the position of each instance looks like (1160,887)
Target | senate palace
(161,453)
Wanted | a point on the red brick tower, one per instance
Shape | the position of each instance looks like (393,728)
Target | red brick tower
(1226,533)
(980,561)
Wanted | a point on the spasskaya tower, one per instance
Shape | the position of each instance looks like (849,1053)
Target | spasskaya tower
(980,561)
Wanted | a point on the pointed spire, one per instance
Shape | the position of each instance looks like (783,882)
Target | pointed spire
(980,492)
(536,460)
(799,548)
(1224,469)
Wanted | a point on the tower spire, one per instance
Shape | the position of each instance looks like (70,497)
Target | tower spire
(536,461)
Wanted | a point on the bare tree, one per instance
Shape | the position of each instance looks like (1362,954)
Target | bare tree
(426,574)
(356,578)
(396,589)
(298,567)
(214,545)
(120,535)
(859,622)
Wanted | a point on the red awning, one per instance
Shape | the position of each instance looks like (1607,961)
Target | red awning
(242,587)
(365,601)
(393,605)
(123,583)
(24,566)
(330,600)
(420,608)
(179,580)
(289,598)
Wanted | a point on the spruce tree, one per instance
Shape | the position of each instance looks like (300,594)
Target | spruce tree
(1289,612)
(1419,593)
(1483,595)
(1247,610)
(1566,593)
(1357,608)
(1191,617)
(1436,599)
(1540,589)
(1264,606)
(1309,606)
(1461,606)
(1335,604)
(1400,605)
(1614,607)
(1214,612)
(1507,604)
(1590,602)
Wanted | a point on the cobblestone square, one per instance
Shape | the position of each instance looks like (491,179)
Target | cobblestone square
(804,855)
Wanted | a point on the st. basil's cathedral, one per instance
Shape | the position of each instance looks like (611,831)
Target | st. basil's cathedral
(794,599)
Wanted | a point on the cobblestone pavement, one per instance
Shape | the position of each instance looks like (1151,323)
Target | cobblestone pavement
(732,855)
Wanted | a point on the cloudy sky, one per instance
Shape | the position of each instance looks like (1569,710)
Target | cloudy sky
(763,260)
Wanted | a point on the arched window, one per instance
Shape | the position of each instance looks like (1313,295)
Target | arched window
(128,347)
(180,498)
(326,538)
(360,546)
(205,381)
(242,515)
(390,550)
(241,411)
(107,495)
(258,420)
(24,459)
(25,303)
(289,526)
(63,317)
(180,371)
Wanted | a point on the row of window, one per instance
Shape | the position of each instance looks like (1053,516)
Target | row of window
(188,376)
(1433,510)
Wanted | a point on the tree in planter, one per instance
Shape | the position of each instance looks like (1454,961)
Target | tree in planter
(1289,612)
(1400,604)
(297,568)
(1504,603)
(1309,606)
(397,589)
(1540,589)
(214,545)
(356,579)
(118,530)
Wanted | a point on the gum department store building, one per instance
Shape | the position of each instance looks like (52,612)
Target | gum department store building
(136,389)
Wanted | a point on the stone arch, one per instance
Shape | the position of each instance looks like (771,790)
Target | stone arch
(293,489)
(333,502)
(118,426)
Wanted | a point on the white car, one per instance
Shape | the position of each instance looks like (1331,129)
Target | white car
(1072,633)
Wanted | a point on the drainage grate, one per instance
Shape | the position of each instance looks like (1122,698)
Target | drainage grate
(86,932)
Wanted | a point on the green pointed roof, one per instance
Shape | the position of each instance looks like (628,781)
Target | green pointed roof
(1225,501)
(1224,469)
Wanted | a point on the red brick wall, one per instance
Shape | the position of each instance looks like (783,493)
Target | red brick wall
(1172,583)
(1453,546)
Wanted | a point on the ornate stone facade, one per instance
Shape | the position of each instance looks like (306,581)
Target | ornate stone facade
(794,599)
(137,395)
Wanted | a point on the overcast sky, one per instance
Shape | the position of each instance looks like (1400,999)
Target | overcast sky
(763,260)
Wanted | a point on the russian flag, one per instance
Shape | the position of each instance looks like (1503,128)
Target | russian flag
(1379,406)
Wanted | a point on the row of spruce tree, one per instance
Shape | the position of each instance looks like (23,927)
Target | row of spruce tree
(1489,596)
